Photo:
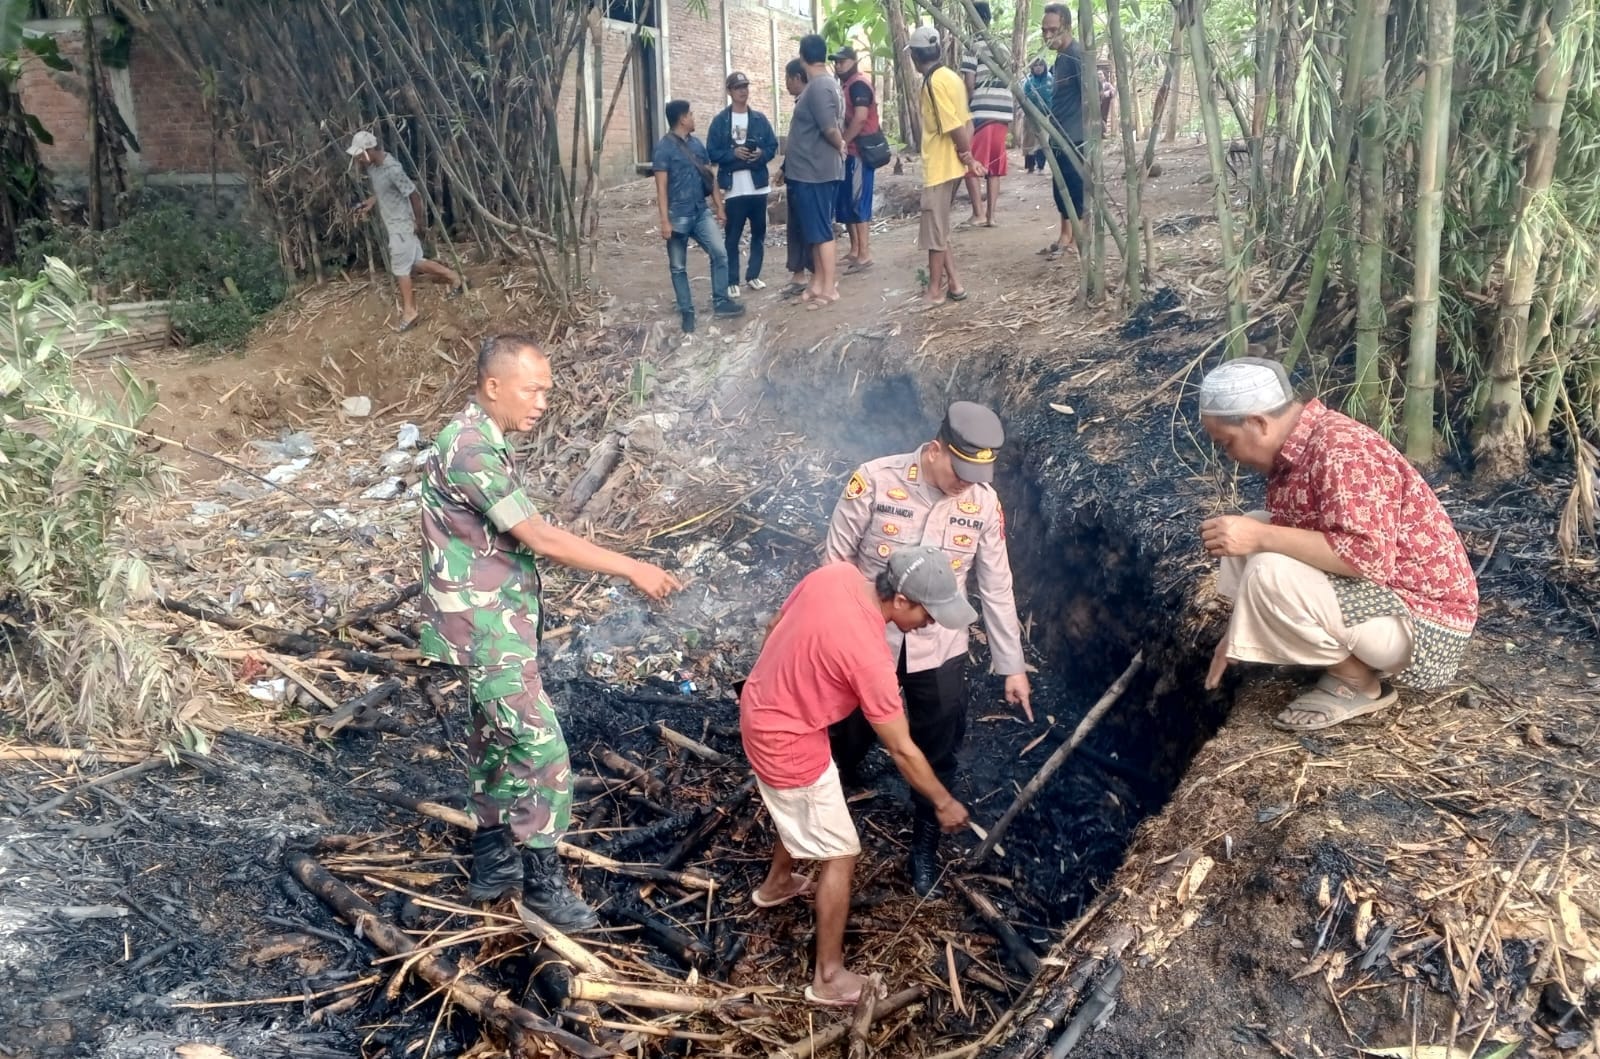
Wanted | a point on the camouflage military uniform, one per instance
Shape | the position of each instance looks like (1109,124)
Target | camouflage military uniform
(480,611)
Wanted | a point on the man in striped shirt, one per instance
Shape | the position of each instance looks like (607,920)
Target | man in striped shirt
(990,100)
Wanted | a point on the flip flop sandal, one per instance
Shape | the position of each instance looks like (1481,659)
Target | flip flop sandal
(957,296)
(840,1002)
(1333,702)
(808,886)
(793,289)
(457,291)
(859,267)
(408,325)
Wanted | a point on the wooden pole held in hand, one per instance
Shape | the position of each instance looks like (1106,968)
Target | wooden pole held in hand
(1026,796)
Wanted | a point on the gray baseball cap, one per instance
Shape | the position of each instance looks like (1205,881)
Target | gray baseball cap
(923,575)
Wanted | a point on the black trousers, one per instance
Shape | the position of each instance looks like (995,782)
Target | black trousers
(1074,182)
(799,256)
(936,710)
(743,208)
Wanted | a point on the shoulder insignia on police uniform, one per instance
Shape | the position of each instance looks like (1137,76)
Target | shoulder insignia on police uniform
(899,494)
(856,487)
(911,473)
(961,540)
(884,550)
(891,529)
(970,507)
(955,564)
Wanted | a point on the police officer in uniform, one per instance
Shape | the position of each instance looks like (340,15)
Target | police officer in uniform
(939,495)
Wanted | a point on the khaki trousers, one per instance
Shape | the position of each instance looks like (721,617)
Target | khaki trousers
(1285,612)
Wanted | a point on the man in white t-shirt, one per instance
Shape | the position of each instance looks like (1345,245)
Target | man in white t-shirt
(742,143)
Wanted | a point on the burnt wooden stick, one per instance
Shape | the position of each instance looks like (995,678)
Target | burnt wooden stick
(1029,1039)
(1099,1002)
(679,944)
(828,1036)
(158,953)
(1019,950)
(602,461)
(291,643)
(634,996)
(592,785)
(526,1033)
(652,787)
(445,814)
(558,943)
(640,835)
(356,711)
(367,613)
(147,765)
(1026,796)
(693,746)
(861,1020)
(709,826)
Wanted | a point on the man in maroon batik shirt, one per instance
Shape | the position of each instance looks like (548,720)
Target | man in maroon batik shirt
(1353,568)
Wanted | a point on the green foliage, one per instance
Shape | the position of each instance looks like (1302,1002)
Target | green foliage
(69,453)
(163,250)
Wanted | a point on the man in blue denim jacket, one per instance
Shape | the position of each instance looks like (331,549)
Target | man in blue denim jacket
(741,142)
(679,161)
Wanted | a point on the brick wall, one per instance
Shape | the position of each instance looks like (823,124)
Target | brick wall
(617,156)
(696,67)
(175,132)
(159,100)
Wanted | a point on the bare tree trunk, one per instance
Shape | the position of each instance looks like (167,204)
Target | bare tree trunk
(1180,15)
(1501,438)
(1132,174)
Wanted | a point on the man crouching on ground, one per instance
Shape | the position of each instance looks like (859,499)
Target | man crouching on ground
(826,655)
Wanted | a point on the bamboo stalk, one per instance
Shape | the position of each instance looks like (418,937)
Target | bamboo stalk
(1365,395)
(827,1037)
(1500,441)
(1232,255)
(626,994)
(1132,174)
(1433,161)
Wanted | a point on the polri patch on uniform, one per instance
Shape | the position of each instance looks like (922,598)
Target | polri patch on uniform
(884,550)
(911,473)
(961,540)
(971,507)
(899,494)
(891,529)
(856,487)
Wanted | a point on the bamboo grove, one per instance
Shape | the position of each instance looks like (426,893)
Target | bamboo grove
(1415,222)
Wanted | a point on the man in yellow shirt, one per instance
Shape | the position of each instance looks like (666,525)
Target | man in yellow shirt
(946,159)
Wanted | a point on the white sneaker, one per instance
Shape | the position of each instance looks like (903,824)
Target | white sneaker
(733,291)
(756,284)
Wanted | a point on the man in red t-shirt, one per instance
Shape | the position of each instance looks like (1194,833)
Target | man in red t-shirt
(1354,568)
(825,655)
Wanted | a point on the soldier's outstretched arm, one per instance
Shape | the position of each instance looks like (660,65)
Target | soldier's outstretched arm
(569,549)
(851,516)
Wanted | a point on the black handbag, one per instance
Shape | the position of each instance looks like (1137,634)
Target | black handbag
(874,149)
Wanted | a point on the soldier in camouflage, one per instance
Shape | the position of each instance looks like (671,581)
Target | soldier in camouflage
(481,541)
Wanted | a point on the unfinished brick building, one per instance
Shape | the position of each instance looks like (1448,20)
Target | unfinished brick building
(683,54)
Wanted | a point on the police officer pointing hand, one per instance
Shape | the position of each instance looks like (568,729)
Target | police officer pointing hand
(939,495)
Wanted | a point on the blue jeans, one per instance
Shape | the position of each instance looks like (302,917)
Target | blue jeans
(700,226)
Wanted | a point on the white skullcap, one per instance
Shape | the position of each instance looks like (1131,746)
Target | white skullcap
(1246,386)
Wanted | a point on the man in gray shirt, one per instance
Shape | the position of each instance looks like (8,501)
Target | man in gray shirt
(814,166)
(400,206)
(1066,111)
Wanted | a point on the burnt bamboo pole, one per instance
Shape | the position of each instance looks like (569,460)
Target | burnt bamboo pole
(526,1033)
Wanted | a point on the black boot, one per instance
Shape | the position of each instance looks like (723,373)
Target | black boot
(496,868)
(923,866)
(547,893)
